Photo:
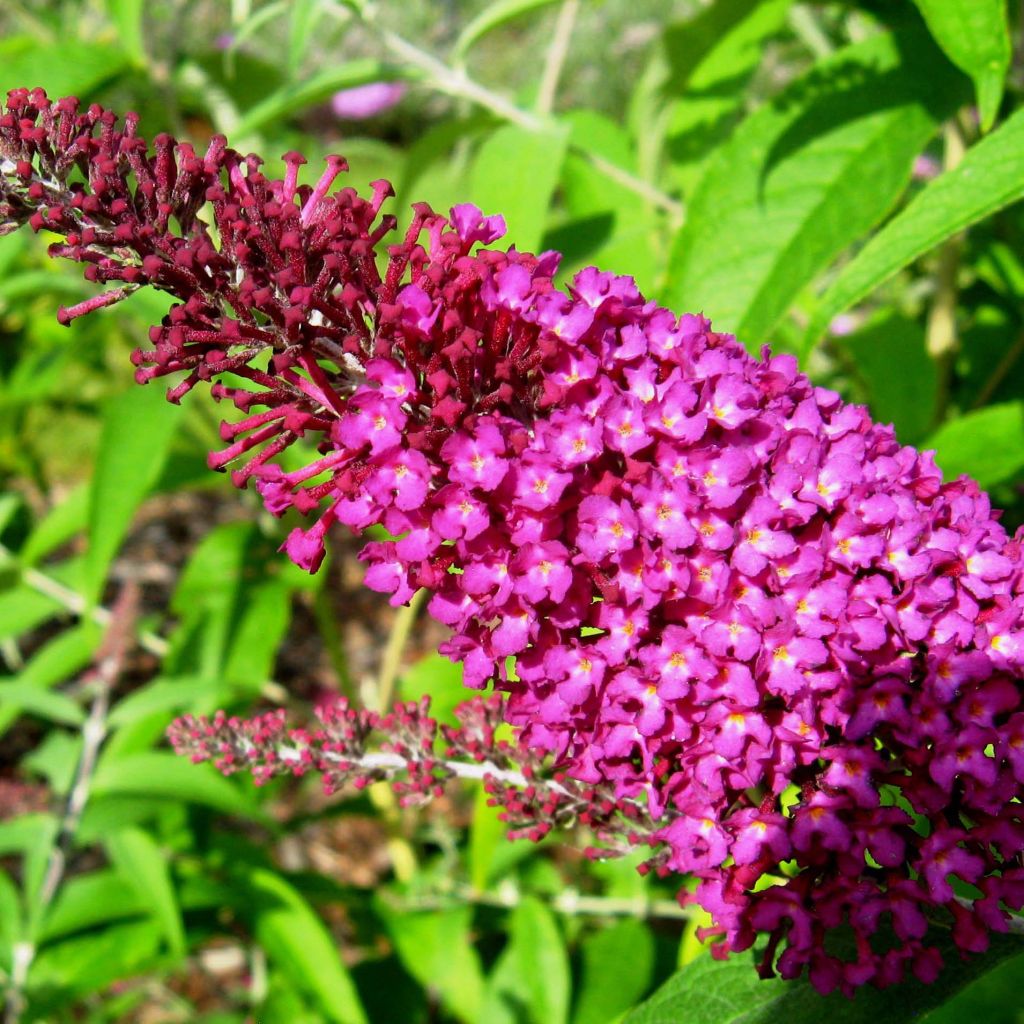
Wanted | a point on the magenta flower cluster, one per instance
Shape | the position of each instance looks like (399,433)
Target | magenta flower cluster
(699,578)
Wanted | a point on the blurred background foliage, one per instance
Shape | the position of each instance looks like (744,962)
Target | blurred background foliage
(805,173)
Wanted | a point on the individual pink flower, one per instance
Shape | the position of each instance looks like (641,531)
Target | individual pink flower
(364,101)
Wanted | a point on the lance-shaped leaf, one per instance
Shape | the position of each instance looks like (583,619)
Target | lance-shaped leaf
(791,189)
(974,35)
(137,431)
(709,62)
(491,17)
(987,179)
(709,991)
(302,948)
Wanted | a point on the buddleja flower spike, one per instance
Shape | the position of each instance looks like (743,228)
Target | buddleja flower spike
(725,593)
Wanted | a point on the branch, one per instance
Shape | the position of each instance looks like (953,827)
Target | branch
(110,660)
(568,902)
(555,61)
(455,82)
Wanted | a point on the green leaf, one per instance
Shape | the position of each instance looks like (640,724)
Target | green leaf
(515,173)
(256,20)
(987,445)
(10,918)
(142,866)
(786,194)
(58,526)
(618,962)
(56,759)
(493,16)
(157,773)
(302,22)
(81,68)
(9,505)
(301,947)
(975,36)
(487,832)
(127,18)
(20,697)
(32,836)
(90,962)
(436,677)
(530,981)
(316,88)
(55,662)
(161,695)
(26,832)
(85,901)
(233,616)
(709,61)
(899,378)
(994,997)
(258,632)
(137,429)
(437,950)
(22,608)
(709,991)
(611,226)
(987,179)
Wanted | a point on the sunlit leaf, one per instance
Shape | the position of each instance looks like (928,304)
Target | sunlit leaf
(437,950)
(85,901)
(302,948)
(315,89)
(530,981)
(58,526)
(90,962)
(974,34)
(127,18)
(302,24)
(515,174)
(142,866)
(55,662)
(987,179)
(22,697)
(987,445)
(787,193)
(82,66)
(137,429)
(438,678)
(487,832)
(161,695)
(159,773)
(709,60)
(610,225)
(10,916)
(22,607)
(710,991)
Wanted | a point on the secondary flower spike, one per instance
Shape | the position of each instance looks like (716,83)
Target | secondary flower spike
(724,591)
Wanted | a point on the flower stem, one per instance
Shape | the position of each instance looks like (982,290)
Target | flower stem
(569,903)
(557,52)
(110,660)
(391,660)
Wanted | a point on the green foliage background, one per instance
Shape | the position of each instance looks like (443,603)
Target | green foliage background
(839,179)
